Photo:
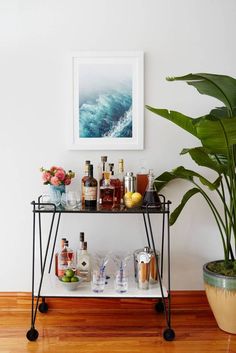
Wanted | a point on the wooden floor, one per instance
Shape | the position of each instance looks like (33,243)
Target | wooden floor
(109,325)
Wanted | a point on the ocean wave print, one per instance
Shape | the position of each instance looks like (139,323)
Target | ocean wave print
(108,115)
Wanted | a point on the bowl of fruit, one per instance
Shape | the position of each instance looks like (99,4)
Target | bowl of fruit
(70,281)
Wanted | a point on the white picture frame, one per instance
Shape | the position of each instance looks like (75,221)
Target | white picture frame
(108,107)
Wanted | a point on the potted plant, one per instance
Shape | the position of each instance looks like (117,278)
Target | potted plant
(216,132)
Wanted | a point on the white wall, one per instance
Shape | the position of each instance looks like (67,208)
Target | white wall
(177,37)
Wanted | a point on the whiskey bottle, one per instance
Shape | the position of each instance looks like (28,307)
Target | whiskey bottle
(58,254)
(107,192)
(70,257)
(84,263)
(87,163)
(90,189)
(103,168)
(115,181)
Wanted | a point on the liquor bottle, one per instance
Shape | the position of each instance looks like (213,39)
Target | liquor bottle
(151,198)
(70,257)
(120,176)
(62,260)
(87,163)
(107,192)
(57,255)
(84,263)
(115,181)
(90,189)
(142,179)
(103,168)
(81,245)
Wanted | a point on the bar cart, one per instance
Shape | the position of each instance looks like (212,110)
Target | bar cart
(48,284)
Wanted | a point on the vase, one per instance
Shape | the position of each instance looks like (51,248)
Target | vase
(221,295)
(55,192)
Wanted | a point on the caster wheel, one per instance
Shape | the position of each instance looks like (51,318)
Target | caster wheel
(159,307)
(32,334)
(43,307)
(169,334)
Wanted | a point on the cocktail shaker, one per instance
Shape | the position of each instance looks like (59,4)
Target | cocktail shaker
(129,182)
(146,267)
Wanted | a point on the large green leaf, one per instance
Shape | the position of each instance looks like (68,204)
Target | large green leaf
(186,174)
(183,121)
(201,156)
(217,135)
(175,214)
(218,86)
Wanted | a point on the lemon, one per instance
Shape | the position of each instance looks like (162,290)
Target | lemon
(129,203)
(128,195)
(137,198)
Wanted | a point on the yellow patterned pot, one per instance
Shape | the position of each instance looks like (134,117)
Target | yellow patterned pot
(221,295)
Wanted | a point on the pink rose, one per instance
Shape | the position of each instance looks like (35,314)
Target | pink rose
(67,181)
(60,174)
(55,181)
(46,176)
(53,169)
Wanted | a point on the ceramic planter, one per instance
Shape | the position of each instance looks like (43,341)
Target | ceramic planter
(221,295)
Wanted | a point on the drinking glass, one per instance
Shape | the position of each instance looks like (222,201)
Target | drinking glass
(121,282)
(98,281)
(70,200)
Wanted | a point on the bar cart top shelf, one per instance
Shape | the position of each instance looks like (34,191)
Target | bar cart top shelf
(39,207)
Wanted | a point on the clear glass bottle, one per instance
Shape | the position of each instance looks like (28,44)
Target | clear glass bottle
(151,198)
(84,263)
(58,254)
(107,192)
(90,189)
(63,259)
(120,176)
(87,163)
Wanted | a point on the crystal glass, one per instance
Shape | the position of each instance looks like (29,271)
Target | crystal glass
(98,281)
(70,200)
(121,282)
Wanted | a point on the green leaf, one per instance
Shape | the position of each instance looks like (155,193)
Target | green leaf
(203,159)
(181,173)
(217,135)
(183,121)
(218,86)
(175,214)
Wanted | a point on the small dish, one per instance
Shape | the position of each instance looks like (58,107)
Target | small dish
(71,285)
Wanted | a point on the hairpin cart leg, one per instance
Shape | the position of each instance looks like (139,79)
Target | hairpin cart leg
(32,334)
(54,242)
(146,229)
(168,333)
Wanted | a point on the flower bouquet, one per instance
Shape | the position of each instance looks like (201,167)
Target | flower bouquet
(56,176)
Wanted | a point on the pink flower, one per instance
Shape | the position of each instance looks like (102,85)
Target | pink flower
(53,169)
(46,176)
(67,181)
(60,174)
(55,181)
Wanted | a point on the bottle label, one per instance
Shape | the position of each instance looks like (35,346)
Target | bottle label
(90,193)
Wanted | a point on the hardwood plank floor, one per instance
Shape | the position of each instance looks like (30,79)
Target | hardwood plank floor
(111,325)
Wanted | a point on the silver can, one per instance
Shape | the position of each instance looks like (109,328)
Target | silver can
(129,182)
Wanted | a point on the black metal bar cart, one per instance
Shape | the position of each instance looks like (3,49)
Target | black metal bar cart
(56,213)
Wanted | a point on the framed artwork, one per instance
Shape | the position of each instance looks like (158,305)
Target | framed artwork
(107,101)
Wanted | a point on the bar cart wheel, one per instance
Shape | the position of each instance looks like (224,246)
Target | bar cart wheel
(32,334)
(169,334)
(159,306)
(43,307)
